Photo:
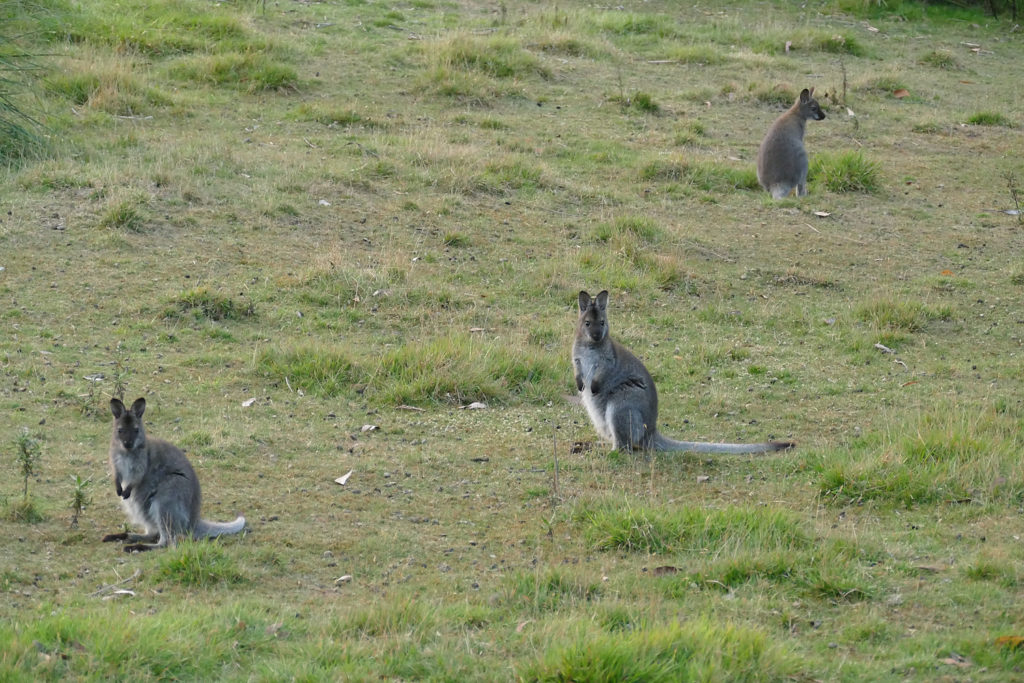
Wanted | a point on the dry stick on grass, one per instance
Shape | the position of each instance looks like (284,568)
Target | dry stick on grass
(554,453)
(110,586)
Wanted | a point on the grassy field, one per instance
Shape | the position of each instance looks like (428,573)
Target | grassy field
(311,234)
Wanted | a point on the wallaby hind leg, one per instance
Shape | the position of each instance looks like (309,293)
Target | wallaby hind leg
(172,522)
(628,429)
(782,191)
(127,537)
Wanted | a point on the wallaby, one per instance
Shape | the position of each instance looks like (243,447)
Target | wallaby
(159,489)
(782,159)
(619,394)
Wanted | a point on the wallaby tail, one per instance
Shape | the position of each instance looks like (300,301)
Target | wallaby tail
(663,443)
(205,529)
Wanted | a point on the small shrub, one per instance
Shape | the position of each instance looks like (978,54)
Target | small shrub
(80,498)
(846,172)
(28,454)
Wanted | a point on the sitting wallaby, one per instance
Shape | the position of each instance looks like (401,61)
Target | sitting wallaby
(782,159)
(619,394)
(157,485)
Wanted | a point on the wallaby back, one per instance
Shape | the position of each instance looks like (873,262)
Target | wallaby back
(782,159)
(618,393)
(158,487)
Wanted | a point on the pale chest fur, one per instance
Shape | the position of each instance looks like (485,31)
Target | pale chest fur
(588,360)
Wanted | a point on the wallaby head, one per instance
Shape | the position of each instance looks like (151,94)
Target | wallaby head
(128,429)
(809,107)
(593,323)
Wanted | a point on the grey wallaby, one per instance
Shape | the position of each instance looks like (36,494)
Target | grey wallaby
(782,159)
(159,489)
(619,394)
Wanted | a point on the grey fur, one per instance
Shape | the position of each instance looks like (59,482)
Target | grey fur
(159,489)
(782,159)
(618,392)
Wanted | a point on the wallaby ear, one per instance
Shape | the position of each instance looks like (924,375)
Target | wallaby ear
(805,95)
(139,407)
(602,300)
(116,407)
(584,301)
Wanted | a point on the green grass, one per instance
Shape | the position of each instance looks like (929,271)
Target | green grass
(989,118)
(199,564)
(952,457)
(846,172)
(313,235)
(699,649)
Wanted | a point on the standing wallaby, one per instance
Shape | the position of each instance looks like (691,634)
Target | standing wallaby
(157,485)
(619,394)
(782,159)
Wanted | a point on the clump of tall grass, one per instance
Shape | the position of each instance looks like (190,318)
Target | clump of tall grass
(124,215)
(886,313)
(634,24)
(247,71)
(951,455)
(198,563)
(989,118)
(846,172)
(496,55)
(694,650)
(202,304)
(162,29)
(614,526)
(707,176)
(641,101)
(19,132)
(333,116)
(455,370)
(549,592)
(108,86)
(640,227)
(940,59)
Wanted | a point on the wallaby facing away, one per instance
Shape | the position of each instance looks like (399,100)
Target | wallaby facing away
(782,159)
(619,394)
(159,489)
